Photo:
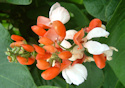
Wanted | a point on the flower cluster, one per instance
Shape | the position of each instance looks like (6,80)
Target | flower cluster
(55,53)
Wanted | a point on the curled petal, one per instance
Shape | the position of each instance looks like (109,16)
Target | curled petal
(59,29)
(78,38)
(95,48)
(45,41)
(65,44)
(42,64)
(65,55)
(61,14)
(53,7)
(43,22)
(17,38)
(38,30)
(50,73)
(100,60)
(70,34)
(97,32)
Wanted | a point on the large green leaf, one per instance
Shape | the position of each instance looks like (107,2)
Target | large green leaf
(48,87)
(17,2)
(102,9)
(12,75)
(119,85)
(95,77)
(116,27)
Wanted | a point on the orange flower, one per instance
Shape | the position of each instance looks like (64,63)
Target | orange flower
(65,55)
(28,48)
(17,38)
(65,63)
(38,30)
(42,64)
(25,61)
(45,41)
(60,29)
(39,49)
(50,73)
(50,48)
(78,38)
(16,44)
(94,23)
(44,57)
(100,60)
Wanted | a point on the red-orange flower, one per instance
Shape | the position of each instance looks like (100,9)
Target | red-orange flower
(65,55)
(45,41)
(17,38)
(28,48)
(39,49)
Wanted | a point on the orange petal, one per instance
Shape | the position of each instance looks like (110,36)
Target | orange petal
(50,48)
(17,38)
(51,34)
(60,29)
(39,49)
(78,38)
(45,41)
(65,64)
(25,61)
(28,48)
(50,73)
(43,22)
(94,23)
(42,64)
(38,30)
(100,60)
(16,44)
(9,58)
(44,57)
(65,55)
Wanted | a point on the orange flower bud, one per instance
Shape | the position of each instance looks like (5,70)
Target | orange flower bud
(25,61)
(28,48)
(17,38)
(45,41)
(16,44)
(42,64)
(9,58)
(100,60)
(38,30)
(65,55)
(44,57)
(78,38)
(50,48)
(39,49)
(50,73)
(60,29)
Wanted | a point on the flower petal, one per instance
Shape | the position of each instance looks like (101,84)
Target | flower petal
(70,34)
(60,14)
(95,48)
(65,44)
(97,32)
(53,7)
(43,22)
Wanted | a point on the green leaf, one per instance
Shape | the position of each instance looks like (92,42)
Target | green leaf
(116,27)
(48,87)
(76,1)
(119,85)
(102,9)
(110,78)
(12,75)
(17,2)
(95,77)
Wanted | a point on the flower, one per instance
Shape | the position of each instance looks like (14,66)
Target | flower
(76,74)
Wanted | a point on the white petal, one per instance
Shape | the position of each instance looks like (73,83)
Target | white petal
(95,48)
(70,34)
(66,77)
(53,7)
(74,76)
(75,50)
(65,44)
(76,56)
(97,32)
(103,26)
(60,14)
(81,69)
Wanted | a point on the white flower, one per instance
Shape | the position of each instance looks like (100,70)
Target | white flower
(109,53)
(58,12)
(76,74)
(97,32)
(95,48)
